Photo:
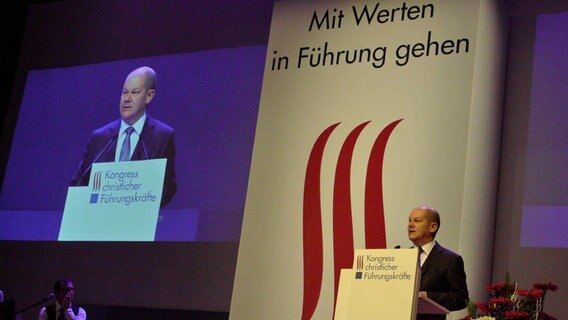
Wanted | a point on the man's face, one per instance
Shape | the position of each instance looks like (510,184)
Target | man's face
(64,294)
(420,230)
(134,99)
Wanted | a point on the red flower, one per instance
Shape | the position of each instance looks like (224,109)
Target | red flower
(536,293)
(482,306)
(516,315)
(496,286)
(546,316)
(527,304)
(522,292)
(499,300)
(545,286)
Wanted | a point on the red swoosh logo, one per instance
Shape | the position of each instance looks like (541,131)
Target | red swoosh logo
(343,246)
(313,238)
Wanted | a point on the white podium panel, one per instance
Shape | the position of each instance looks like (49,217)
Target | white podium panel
(121,203)
(383,284)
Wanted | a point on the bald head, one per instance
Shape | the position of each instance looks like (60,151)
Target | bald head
(432,215)
(146,73)
(423,224)
(138,91)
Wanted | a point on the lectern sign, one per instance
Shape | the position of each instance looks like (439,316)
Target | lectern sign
(382,285)
(379,267)
(121,203)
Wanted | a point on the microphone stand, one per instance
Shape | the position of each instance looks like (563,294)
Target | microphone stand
(51,296)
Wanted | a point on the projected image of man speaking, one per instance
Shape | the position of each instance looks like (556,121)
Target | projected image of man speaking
(135,136)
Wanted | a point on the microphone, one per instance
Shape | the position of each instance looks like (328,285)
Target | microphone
(49,297)
(143,147)
(95,160)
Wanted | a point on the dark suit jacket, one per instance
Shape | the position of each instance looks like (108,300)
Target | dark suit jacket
(443,279)
(156,141)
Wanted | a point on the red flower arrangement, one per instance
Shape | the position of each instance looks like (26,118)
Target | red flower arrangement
(508,302)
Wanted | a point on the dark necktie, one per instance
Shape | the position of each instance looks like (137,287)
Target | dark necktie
(421,256)
(125,151)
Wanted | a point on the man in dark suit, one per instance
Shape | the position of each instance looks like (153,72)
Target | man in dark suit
(150,138)
(63,308)
(443,276)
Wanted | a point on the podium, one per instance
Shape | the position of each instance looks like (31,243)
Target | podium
(121,203)
(429,306)
(383,284)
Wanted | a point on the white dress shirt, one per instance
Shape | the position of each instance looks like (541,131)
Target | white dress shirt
(69,314)
(426,249)
(134,137)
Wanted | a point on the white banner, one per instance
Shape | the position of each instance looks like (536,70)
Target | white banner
(367,111)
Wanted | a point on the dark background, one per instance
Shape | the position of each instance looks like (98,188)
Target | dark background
(183,280)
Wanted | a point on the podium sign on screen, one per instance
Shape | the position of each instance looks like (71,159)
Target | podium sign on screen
(121,203)
(383,284)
